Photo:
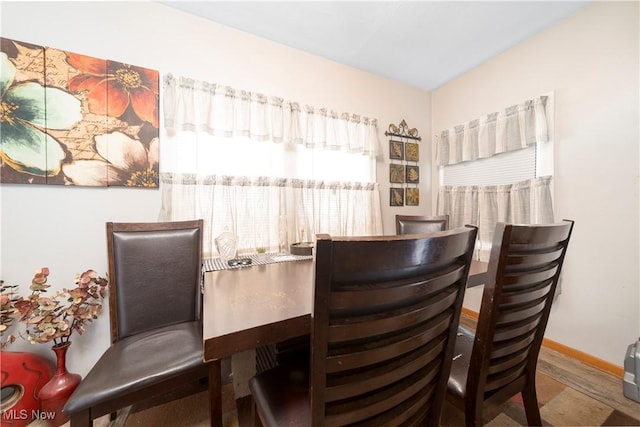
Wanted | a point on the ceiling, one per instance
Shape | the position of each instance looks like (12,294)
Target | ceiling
(424,44)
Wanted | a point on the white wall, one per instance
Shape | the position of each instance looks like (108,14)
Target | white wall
(63,228)
(590,60)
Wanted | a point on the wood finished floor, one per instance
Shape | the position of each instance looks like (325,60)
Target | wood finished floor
(570,393)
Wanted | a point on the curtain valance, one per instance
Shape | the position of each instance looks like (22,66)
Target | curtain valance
(262,181)
(513,128)
(191,105)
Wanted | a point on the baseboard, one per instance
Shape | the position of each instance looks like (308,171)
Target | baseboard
(585,358)
(470,313)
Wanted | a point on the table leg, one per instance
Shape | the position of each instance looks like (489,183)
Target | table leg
(243,368)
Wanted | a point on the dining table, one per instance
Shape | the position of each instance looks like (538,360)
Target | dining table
(249,307)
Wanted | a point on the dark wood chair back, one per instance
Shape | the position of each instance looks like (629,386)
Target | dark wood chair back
(155,273)
(146,261)
(418,224)
(386,310)
(500,360)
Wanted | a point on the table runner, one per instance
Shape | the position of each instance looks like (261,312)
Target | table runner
(214,264)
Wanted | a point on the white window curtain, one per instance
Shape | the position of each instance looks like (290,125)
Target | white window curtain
(265,170)
(513,128)
(524,202)
(270,212)
(341,209)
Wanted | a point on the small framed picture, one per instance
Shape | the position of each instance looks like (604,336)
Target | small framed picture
(396,197)
(412,196)
(396,173)
(412,152)
(396,150)
(413,174)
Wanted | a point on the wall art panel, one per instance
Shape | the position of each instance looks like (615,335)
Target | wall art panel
(412,196)
(99,123)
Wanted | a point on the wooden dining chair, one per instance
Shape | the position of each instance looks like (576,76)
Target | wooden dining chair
(155,273)
(499,360)
(384,319)
(420,224)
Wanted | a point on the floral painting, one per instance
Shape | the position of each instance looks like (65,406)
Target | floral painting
(71,119)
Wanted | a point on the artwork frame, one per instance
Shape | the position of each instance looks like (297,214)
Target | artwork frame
(396,196)
(412,152)
(396,150)
(396,173)
(412,196)
(98,126)
(412,174)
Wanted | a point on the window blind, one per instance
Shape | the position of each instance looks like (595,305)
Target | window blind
(502,169)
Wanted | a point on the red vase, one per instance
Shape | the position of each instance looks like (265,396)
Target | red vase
(56,392)
(23,375)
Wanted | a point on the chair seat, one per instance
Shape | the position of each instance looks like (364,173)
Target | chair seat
(139,360)
(281,395)
(457,384)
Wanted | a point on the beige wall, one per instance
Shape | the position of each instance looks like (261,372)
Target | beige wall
(63,228)
(590,62)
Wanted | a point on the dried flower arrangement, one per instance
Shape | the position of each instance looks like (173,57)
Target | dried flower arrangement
(56,317)
(8,298)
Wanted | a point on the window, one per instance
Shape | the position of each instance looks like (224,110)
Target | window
(264,169)
(498,169)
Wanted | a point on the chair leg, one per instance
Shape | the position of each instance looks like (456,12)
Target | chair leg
(473,413)
(530,401)
(81,419)
(256,417)
(121,417)
(215,393)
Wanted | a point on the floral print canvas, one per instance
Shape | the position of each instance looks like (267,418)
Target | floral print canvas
(71,119)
